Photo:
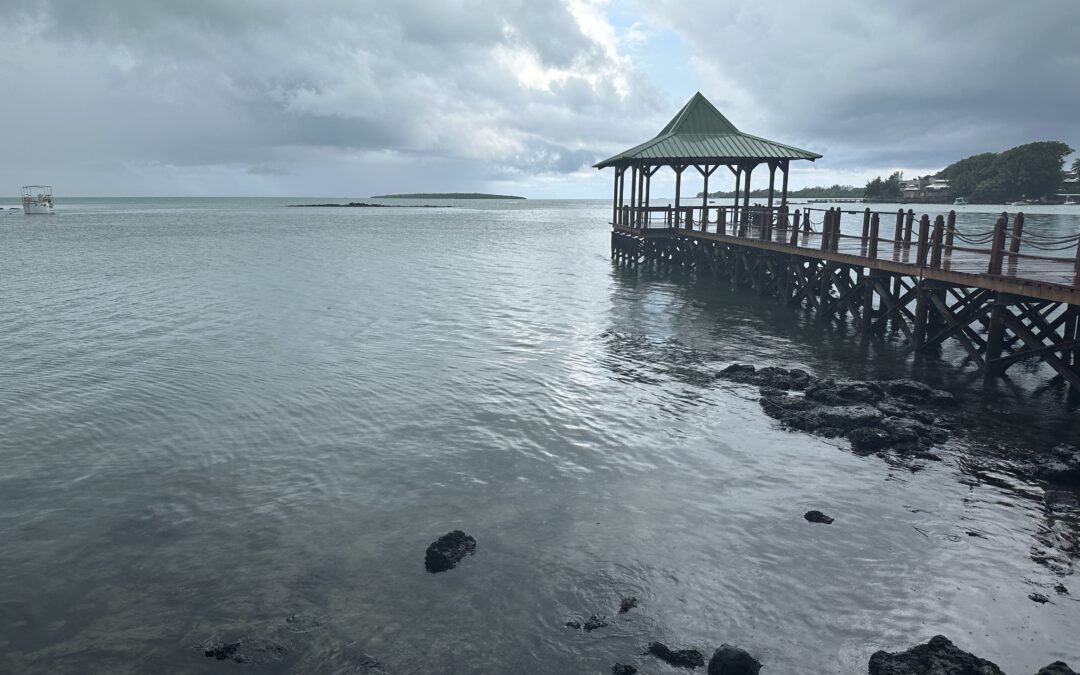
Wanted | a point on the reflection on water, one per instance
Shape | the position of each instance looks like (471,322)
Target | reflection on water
(229,421)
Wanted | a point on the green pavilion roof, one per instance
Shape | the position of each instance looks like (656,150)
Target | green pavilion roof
(700,134)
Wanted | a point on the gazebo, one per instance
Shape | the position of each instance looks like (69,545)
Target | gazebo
(700,137)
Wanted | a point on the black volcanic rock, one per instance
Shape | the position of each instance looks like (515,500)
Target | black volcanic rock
(1056,668)
(731,660)
(448,550)
(818,517)
(627,604)
(683,658)
(936,657)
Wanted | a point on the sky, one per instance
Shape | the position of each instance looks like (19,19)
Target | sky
(356,97)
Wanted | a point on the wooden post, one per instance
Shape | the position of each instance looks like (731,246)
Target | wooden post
(746,192)
(795,229)
(721,218)
(935,244)
(996,252)
(622,184)
(950,232)
(1017,234)
(782,222)
(640,196)
(996,331)
(633,195)
(873,244)
(615,201)
(924,241)
(834,240)
(865,226)
(772,183)
(1076,267)
(738,196)
(784,166)
(918,331)
(826,231)
(678,190)
(899,233)
(705,200)
(648,185)
(908,222)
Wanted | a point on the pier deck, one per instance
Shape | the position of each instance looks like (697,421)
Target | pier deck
(1004,294)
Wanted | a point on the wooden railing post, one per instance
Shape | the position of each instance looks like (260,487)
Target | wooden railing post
(834,240)
(899,235)
(721,220)
(950,232)
(935,244)
(1017,234)
(826,230)
(873,243)
(924,241)
(996,250)
(909,220)
(806,222)
(865,226)
(1076,267)
(795,228)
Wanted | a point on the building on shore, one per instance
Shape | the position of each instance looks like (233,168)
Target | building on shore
(928,190)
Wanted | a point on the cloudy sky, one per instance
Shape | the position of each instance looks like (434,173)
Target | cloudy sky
(359,97)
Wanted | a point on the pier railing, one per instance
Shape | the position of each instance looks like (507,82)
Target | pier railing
(1006,249)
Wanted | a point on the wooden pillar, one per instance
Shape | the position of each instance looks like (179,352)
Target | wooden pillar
(648,184)
(746,190)
(615,200)
(795,228)
(996,252)
(865,226)
(640,196)
(633,195)
(1076,267)
(950,232)
(935,243)
(784,166)
(622,184)
(908,222)
(995,333)
(1017,234)
(872,245)
(899,235)
(826,231)
(918,332)
(924,241)
(772,183)
(738,195)
(678,192)
(705,199)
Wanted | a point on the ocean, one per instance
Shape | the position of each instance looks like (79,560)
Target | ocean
(229,420)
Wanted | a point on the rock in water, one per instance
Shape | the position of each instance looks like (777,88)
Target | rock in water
(448,550)
(595,621)
(627,604)
(1057,668)
(623,669)
(684,658)
(729,660)
(936,657)
(818,517)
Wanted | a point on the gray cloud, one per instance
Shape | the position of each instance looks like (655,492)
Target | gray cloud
(355,96)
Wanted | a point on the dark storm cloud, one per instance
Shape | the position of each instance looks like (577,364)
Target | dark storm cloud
(241,83)
(890,84)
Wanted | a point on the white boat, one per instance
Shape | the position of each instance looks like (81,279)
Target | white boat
(1020,202)
(960,201)
(37,199)
(1070,202)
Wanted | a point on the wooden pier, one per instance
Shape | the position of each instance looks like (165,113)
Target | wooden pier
(998,292)
(1005,293)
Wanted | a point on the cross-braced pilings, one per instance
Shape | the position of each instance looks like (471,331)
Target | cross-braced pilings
(1002,304)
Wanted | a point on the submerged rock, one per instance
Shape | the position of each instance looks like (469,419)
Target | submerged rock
(573,623)
(818,517)
(448,550)
(683,658)
(627,604)
(1039,598)
(731,660)
(939,656)
(1056,668)
(595,621)
(769,376)
(623,669)
(1061,465)
(245,650)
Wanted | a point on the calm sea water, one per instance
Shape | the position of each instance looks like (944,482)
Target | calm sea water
(231,419)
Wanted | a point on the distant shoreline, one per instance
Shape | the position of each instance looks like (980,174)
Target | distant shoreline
(365,205)
(445,195)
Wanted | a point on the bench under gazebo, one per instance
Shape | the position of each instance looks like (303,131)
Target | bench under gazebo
(699,136)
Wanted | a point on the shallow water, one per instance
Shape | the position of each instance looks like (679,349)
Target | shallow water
(219,414)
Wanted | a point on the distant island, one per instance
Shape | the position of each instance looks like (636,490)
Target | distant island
(445,195)
(364,205)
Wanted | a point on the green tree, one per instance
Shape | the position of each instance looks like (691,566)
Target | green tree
(887,190)
(1027,171)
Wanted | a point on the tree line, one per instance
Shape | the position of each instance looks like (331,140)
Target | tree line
(1032,171)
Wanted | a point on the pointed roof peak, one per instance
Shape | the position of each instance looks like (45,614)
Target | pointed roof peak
(699,116)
